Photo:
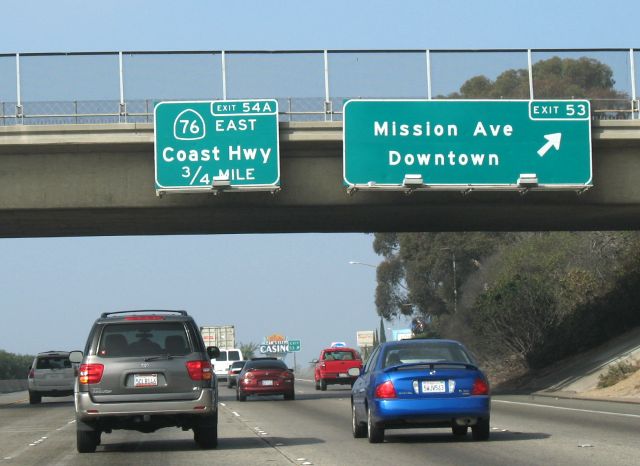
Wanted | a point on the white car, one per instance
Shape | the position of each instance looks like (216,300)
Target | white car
(51,374)
(222,363)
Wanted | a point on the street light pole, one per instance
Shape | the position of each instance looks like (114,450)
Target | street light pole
(362,263)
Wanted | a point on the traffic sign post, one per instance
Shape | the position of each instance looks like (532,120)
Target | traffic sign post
(215,145)
(467,144)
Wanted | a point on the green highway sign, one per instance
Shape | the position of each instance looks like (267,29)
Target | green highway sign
(441,144)
(219,144)
(294,346)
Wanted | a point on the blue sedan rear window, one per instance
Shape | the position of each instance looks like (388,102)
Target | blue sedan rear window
(426,352)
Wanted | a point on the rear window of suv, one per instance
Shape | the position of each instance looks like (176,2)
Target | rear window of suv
(141,339)
(53,362)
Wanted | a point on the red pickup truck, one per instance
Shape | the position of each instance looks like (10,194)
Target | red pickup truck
(333,365)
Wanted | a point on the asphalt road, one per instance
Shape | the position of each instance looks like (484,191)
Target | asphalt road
(315,429)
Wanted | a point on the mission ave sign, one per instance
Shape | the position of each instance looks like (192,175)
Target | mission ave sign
(443,144)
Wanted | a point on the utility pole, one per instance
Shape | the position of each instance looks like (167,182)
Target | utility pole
(455,285)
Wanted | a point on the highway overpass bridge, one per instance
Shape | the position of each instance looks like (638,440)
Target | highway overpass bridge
(92,180)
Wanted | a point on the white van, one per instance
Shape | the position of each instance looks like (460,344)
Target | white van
(222,363)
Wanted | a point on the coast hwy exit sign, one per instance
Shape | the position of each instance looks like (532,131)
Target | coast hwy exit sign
(226,144)
(443,144)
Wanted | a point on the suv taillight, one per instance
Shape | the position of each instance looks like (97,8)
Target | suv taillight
(199,370)
(386,390)
(480,387)
(90,373)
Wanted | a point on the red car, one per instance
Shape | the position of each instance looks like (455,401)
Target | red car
(265,376)
(332,367)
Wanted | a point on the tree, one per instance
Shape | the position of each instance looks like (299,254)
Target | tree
(249,349)
(14,366)
(416,275)
(383,335)
(554,78)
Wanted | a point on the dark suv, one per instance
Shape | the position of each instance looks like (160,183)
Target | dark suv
(144,370)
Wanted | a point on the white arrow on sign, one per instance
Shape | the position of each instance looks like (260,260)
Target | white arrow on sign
(553,140)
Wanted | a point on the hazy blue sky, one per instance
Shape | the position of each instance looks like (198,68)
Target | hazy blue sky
(51,290)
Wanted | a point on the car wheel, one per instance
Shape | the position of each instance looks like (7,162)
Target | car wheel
(374,434)
(459,431)
(359,429)
(206,437)
(323,385)
(34,398)
(87,440)
(290,396)
(317,385)
(481,430)
(98,437)
(242,396)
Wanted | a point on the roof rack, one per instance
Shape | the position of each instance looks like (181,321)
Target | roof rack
(148,311)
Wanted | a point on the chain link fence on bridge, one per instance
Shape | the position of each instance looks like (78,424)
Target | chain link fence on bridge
(123,87)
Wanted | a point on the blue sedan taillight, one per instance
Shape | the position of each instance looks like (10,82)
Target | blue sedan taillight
(386,390)
(480,387)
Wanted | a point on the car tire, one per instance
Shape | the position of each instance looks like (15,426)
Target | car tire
(459,431)
(317,385)
(242,396)
(34,398)
(323,385)
(290,396)
(206,437)
(87,440)
(358,429)
(481,430)
(375,434)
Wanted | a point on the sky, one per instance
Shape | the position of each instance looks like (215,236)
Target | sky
(298,285)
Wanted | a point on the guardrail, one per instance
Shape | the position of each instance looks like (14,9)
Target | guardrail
(10,386)
(111,87)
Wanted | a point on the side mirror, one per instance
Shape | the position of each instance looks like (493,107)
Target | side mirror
(75,357)
(354,371)
(314,361)
(213,352)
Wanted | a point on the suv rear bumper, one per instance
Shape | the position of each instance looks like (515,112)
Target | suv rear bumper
(87,409)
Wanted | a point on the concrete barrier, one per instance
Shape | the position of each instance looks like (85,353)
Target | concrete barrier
(8,386)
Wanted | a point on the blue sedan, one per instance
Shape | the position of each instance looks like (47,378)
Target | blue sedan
(420,383)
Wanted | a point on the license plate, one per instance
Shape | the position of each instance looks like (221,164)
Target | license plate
(433,386)
(267,382)
(145,380)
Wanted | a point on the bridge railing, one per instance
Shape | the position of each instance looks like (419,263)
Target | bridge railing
(112,87)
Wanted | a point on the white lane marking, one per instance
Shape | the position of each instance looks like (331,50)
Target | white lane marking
(235,414)
(222,404)
(566,409)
